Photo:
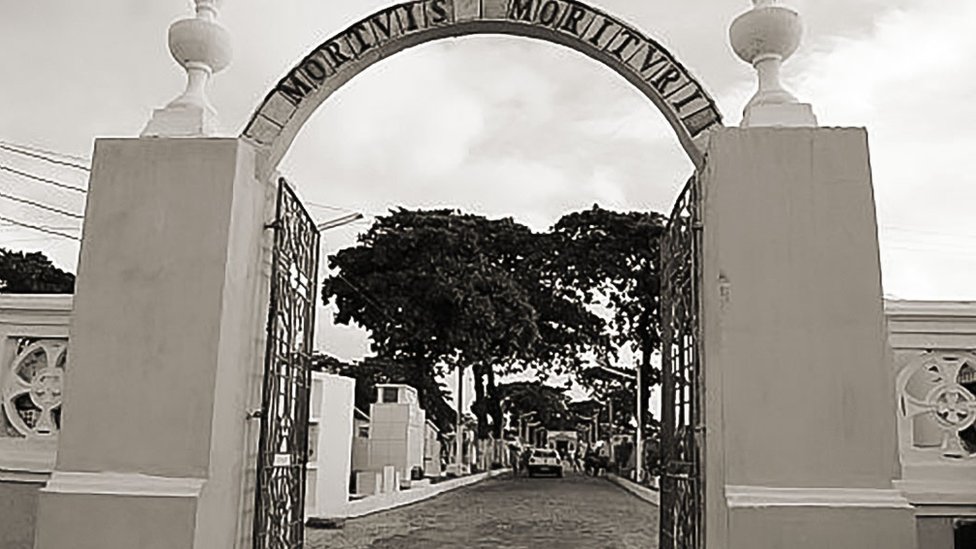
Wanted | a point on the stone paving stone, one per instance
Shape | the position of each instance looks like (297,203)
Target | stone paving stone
(510,513)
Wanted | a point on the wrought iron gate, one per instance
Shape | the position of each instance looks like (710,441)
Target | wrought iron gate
(682,429)
(279,514)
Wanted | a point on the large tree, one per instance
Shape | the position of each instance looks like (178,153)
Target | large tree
(438,287)
(613,260)
(32,273)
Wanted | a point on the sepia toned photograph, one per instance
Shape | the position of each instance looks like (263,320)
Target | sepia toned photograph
(487,274)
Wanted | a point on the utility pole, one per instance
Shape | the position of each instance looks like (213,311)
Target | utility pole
(459,436)
(523,433)
(639,439)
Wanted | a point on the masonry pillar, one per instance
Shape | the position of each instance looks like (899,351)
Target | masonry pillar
(801,445)
(168,312)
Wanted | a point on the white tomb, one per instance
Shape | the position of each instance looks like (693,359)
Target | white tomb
(330,432)
(396,432)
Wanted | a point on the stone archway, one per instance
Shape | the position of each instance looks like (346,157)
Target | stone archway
(641,60)
(797,424)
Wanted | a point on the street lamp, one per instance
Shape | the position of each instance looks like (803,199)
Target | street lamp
(639,438)
(608,404)
(459,439)
(531,431)
(339,221)
(522,417)
(595,431)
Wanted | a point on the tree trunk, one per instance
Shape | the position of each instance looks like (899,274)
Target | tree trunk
(494,405)
(647,348)
(480,409)
(644,393)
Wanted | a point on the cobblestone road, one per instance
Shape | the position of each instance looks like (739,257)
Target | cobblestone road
(511,513)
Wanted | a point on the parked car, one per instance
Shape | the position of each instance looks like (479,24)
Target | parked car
(544,461)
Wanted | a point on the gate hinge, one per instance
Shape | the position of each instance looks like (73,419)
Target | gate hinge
(697,226)
(257,413)
(276,224)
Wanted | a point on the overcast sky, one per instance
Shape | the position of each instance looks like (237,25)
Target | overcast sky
(511,126)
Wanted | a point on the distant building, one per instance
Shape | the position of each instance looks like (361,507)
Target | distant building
(564,442)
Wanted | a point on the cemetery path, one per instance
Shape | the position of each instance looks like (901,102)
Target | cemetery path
(511,513)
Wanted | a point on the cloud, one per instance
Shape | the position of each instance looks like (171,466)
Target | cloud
(382,121)
(513,126)
(910,82)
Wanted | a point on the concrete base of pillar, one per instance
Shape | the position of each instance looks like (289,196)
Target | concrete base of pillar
(799,527)
(784,115)
(181,121)
(115,520)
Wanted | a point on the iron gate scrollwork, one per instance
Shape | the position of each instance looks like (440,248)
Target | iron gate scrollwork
(279,513)
(682,431)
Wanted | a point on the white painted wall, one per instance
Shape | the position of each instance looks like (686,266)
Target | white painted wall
(25,461)
(396,433)
(330,443)
(939,486)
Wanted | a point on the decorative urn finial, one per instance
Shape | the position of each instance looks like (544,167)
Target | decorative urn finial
(765,37)
(202,47)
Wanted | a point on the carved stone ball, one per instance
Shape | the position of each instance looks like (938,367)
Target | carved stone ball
(200,41)
(764,31)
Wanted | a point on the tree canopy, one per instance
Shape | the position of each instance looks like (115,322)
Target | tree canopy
(613,260)
(32,273)
(440,288)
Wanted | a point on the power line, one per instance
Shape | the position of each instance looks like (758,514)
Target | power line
(39,228)
(328,207)
(919,247)
(934,233)
(43,179)
(338,209)
(43,157)
(31,240)
(366,297)
(41,206)
(37,149)
(4,225)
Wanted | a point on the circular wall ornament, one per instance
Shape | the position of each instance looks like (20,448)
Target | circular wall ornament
(33,388)
(932,386)
(953,406)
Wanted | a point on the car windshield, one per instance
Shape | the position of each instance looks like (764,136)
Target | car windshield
(544,453)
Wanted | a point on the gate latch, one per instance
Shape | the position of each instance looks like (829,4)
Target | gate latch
(256,413)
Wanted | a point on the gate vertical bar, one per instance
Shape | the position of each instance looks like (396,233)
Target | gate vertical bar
(682,431)
(279,510)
